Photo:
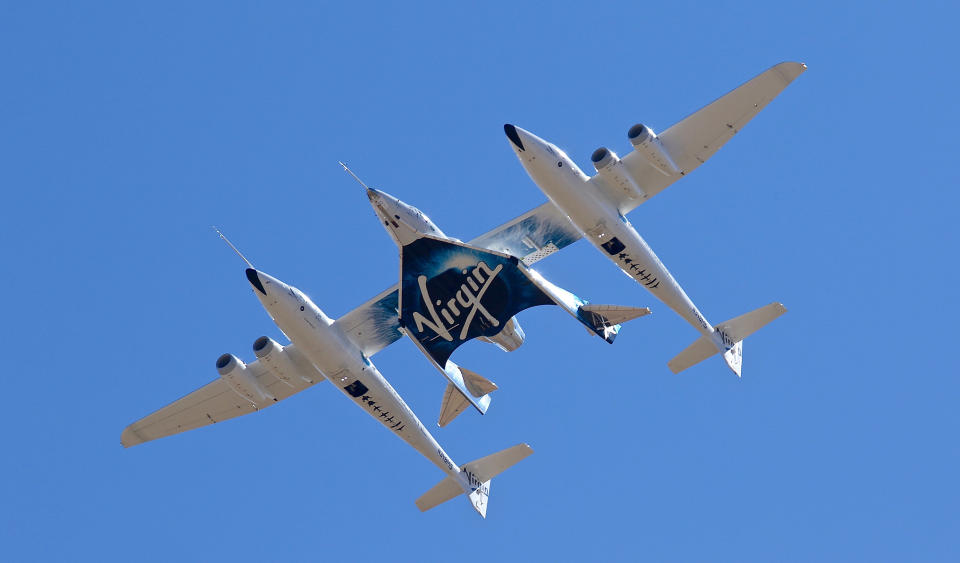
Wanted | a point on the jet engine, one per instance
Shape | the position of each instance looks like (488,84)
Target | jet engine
(277,359)
(646,142)
(611,169)
(242,380)
(508,339)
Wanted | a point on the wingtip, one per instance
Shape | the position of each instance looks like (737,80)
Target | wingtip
(129,438)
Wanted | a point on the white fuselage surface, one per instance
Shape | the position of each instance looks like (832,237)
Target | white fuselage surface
(331,352)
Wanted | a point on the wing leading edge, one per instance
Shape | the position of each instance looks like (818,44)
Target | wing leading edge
(694,139)
(216,402)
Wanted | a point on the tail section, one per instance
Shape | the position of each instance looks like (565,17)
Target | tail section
(602,320)
(456,399)
(605,320)
(474,480)
(728,339)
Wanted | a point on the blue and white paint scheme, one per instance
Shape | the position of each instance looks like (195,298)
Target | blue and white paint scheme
(452,292)
(597,206)
(318,350)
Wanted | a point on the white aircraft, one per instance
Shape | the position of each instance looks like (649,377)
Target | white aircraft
(319,349)
(451,292)
(597,206)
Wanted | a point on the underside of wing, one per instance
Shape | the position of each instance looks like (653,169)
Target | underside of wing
(532,236)
(374,325)
(697,137)
(217,401)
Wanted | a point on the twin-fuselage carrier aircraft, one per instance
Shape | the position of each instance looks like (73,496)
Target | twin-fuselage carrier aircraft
(451,292)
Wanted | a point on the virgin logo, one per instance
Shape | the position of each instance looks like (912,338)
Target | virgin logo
(466,301)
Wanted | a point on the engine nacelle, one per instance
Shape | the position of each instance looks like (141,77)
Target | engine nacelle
(508,339)
(646,142)
(241,379)
(281,364)
(611,169)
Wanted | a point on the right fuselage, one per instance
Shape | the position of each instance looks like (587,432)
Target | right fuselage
(562,181)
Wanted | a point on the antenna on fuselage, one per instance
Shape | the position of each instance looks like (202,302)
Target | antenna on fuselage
(355,177)
(226,240)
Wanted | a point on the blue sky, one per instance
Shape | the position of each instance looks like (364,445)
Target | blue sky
(129,129)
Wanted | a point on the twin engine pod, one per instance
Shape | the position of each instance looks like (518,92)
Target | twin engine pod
(282,362)
(648,145)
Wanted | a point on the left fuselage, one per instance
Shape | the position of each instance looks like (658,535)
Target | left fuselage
(562,181)
(344,365)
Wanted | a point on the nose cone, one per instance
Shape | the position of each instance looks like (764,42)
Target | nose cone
(254,279)
(373,195)
(514,136)
(526,144)
(384,204)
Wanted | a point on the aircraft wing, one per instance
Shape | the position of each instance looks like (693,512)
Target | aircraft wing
(532,236)
(694,139)
(216,402)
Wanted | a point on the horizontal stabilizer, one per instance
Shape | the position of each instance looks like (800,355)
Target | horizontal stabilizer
(701,349)
(615,314)
(455,401)
(597,318)
(439,494)
(743,326)
(730,334)
(488,467)
(474,480)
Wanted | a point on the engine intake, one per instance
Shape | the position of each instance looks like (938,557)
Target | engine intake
(603,157)
(646,142)
(277,359)
(242,380)
(614,173)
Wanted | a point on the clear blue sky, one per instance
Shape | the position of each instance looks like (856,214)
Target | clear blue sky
(128,130)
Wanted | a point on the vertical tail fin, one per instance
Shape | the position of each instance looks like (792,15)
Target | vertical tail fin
(474,480)
(455,399)
(729,337)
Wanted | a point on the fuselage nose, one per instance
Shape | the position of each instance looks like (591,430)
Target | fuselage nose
(402,221)
(266,287)
(388,208)
(513,133)
(254,278)
(375,196)
(527,145)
